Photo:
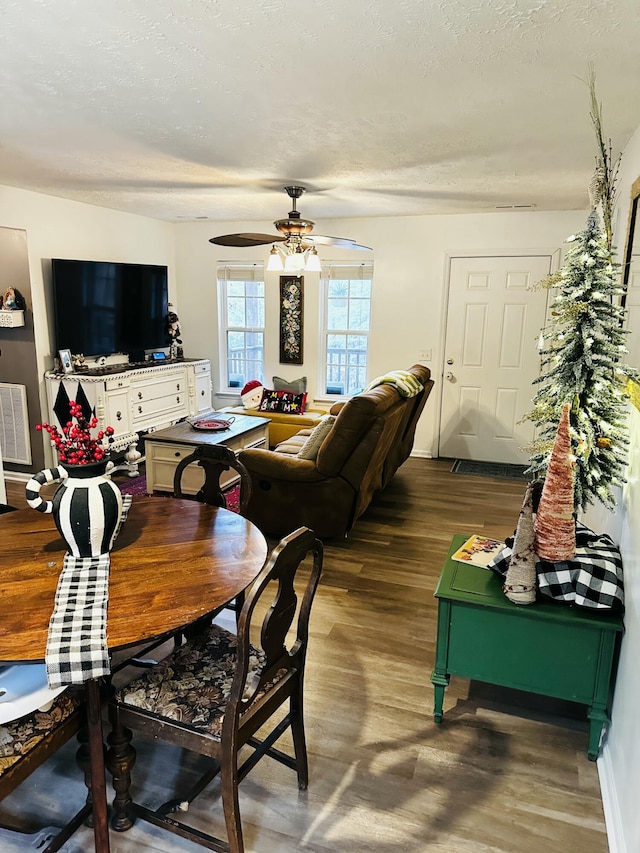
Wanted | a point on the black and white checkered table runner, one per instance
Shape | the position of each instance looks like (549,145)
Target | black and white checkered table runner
(77,640)
(592,579)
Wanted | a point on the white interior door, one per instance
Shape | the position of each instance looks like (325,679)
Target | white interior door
(494,320)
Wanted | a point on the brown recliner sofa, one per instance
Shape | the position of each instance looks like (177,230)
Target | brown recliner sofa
(372,436)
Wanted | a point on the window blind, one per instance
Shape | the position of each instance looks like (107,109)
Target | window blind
(343,271)
(228,271)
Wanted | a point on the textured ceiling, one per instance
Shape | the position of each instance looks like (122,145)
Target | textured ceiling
(185,109)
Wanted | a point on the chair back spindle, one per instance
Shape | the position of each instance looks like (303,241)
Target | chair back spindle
(216,460)
(281,569)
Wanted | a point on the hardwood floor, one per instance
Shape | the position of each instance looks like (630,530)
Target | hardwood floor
(504,773)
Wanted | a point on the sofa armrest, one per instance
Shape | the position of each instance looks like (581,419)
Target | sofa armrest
(280,466)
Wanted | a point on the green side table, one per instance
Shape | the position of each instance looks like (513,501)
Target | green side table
(548,648)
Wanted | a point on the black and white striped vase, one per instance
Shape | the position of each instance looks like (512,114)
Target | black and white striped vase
(86,508)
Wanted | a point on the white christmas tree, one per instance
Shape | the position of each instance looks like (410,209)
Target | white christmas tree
(583,349)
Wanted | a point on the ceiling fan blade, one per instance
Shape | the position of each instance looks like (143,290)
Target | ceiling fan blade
(245,240)
(338,242)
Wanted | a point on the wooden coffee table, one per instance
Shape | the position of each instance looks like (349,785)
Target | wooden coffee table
(165,448)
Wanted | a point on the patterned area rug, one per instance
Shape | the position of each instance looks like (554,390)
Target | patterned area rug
(133,486)
(138,486)
(489,469)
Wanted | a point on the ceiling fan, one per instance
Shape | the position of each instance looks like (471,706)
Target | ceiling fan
(296,245)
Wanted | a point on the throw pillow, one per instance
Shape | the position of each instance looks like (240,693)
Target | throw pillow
(312,445)
(282,401)
(251,394)
(296,386)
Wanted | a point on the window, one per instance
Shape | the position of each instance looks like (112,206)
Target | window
(241,323)
(347,323)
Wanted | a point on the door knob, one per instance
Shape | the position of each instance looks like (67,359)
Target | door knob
(449,375)
(449,361)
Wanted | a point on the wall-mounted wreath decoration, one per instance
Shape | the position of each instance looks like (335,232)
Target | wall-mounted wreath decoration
(291,319)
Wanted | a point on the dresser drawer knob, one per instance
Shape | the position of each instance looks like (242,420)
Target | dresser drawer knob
(140,409)
(139,395)
(118,416)
(178,454)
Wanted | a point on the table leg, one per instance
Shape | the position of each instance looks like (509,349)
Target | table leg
(440,676)
(598,718)
(440,682)
(96,752)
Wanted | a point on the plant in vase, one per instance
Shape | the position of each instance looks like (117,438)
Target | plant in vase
(87,507)
(76,445)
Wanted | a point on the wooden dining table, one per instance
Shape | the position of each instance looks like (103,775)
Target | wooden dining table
(174,562)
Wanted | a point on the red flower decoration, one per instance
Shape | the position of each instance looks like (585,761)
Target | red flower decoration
(76,445)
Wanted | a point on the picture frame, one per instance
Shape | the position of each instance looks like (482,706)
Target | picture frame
(65,360)
(291,319)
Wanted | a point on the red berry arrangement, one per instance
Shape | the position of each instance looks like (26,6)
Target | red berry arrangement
(76,446)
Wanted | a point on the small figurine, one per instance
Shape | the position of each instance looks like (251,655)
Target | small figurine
(13,300)
(173,327)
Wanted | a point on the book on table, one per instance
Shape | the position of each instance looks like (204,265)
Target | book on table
(478,551)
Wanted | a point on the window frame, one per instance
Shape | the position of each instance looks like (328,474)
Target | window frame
(228,272)
(334,270)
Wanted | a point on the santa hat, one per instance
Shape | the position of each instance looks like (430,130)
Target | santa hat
(251,394)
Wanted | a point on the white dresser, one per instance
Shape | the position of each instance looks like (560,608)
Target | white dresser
(133,401)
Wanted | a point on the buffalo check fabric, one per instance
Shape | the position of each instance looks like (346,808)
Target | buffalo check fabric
(77,639)
(592,579)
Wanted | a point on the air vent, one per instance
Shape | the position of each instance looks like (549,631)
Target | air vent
(14,424)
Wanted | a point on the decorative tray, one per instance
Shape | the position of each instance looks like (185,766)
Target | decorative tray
(212,424)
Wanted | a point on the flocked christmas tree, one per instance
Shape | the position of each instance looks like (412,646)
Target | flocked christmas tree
(582,350)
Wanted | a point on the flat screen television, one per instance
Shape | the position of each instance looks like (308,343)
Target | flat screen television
(102,308)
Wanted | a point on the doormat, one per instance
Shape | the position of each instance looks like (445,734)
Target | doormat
(138,486)
(490,469)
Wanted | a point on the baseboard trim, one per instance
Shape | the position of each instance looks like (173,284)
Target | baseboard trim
(421,454)
(17,477)
(612,816)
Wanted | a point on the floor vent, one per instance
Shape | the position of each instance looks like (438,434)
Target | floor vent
(15,444)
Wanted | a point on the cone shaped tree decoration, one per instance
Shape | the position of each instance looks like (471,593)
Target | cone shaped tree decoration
(520,582)
(555,524)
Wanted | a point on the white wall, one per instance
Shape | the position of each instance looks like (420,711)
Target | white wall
(57,228)
(620,763)
(410,255)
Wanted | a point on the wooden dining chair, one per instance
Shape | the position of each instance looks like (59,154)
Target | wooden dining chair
(216,460)
(212,694)
(29,740)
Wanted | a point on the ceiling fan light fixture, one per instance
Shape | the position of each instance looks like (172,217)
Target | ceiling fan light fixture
(291,251)
(313,261)
(274,264)
(294,262)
